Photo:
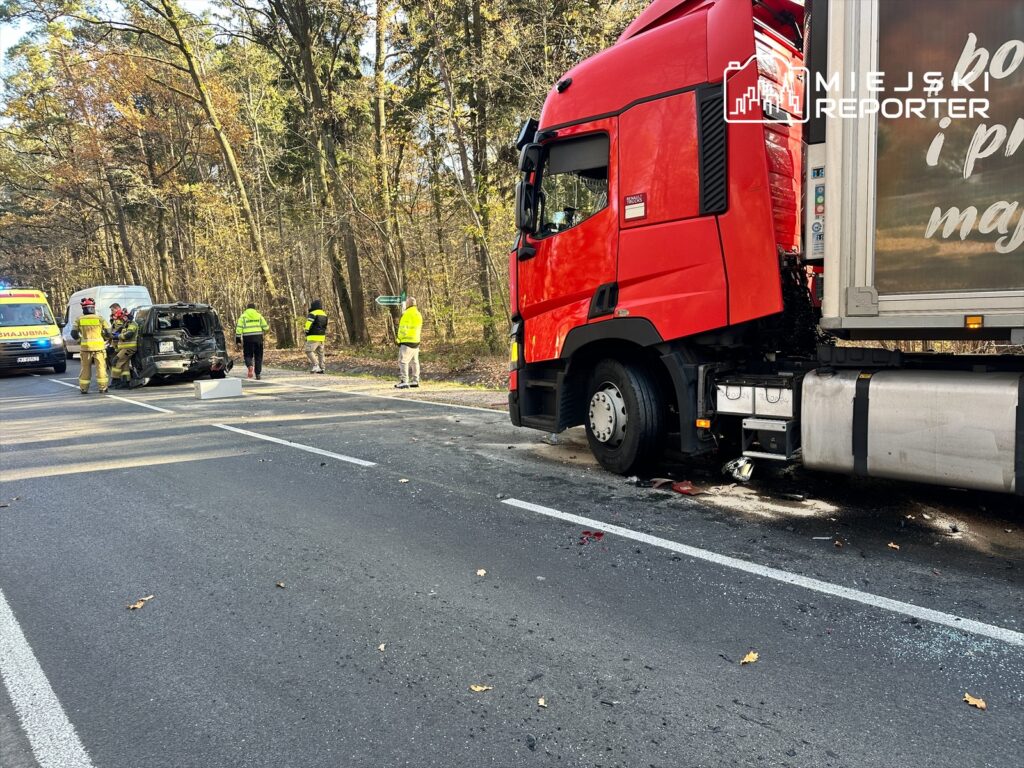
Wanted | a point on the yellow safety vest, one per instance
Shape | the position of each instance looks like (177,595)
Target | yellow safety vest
(409,326)
(129,336)
(320,330)
(251,323)
(92,332)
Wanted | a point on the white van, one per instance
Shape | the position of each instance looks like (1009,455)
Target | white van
(128,296)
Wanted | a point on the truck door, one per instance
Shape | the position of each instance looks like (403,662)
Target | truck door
(573,250)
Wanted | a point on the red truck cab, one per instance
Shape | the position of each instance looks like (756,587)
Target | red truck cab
(653,234)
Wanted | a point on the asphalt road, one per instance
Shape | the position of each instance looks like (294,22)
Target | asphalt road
(364,656)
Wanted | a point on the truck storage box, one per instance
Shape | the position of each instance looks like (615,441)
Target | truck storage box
(919,218)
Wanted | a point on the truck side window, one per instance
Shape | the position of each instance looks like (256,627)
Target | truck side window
(574,183)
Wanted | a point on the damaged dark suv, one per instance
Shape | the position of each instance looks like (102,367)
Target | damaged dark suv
(179,340)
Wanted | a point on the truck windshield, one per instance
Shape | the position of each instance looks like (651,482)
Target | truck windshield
(25,314)
(574,183)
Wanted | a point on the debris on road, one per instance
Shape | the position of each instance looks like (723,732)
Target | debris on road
(686,488)
(975,702)
(740,469)
(403,480)
(750,658)
(140,602)
(586,536)
(893,545)
(477,688)
(381,647)
(279,585)
(838,543)
(481,572)
(542,703)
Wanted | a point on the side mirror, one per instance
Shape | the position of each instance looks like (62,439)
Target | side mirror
(530,158)
(526,207)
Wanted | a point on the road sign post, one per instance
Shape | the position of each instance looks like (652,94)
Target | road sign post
(391,301)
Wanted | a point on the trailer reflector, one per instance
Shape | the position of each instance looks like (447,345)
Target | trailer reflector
(974,321)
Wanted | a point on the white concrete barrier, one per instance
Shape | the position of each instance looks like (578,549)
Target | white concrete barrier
(216,388)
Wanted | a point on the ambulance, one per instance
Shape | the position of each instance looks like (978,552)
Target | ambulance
(29,335)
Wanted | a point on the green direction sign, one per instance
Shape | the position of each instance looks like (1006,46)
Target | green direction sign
(390,301)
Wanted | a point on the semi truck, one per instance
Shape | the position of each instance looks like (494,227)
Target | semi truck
(782,231)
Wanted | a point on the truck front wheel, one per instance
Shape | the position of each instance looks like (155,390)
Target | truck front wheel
(624,419)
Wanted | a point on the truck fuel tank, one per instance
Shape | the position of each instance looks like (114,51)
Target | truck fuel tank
(951,428)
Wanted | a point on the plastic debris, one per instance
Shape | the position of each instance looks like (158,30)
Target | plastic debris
(686,488)
(750,658)
(279,585)
(403,480)
(741,469)
(661,482)
(586,536)
(481,572)
(893,545)
(542,703)
(140,602)
(381,647)
(975,702)
(477,688)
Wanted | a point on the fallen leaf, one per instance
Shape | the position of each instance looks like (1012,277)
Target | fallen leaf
(279,585)
(403,480)
(891,545)
(381,647)
(481,572)
(476,688)
(750,658)
(542,703)
(140,602)
(974,702)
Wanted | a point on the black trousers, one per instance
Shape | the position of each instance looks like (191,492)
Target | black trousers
(252,351)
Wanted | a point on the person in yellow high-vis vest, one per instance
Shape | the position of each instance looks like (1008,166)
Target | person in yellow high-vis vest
(127,341)
(409,327)
(249,332)
(92,332)
(316,335)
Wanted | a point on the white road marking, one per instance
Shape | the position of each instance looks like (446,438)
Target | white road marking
(54,741)
(877,601)
(378,397)
(300,446)
(117,397)
(141,404)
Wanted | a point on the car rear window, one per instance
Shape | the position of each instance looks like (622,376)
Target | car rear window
(193,323)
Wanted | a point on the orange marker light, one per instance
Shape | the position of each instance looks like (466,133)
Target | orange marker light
(974,321)
(703,423)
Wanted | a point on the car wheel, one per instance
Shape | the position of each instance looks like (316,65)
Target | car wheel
(625,420)
(60,367)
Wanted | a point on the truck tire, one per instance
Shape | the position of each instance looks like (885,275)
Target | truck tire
(60,367)
(624,418)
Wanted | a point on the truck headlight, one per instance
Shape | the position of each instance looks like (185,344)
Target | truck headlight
(57,341)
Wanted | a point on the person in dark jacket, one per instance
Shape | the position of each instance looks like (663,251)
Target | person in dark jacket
(316,335)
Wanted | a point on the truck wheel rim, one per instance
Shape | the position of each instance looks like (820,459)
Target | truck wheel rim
(607,415)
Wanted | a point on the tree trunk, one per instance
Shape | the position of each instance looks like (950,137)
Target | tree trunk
(283,329)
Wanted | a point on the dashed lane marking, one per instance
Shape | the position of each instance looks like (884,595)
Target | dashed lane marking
(299,446)
(118,397)
(54,741)
(866,598)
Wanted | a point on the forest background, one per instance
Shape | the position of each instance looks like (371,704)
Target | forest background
(277,151)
